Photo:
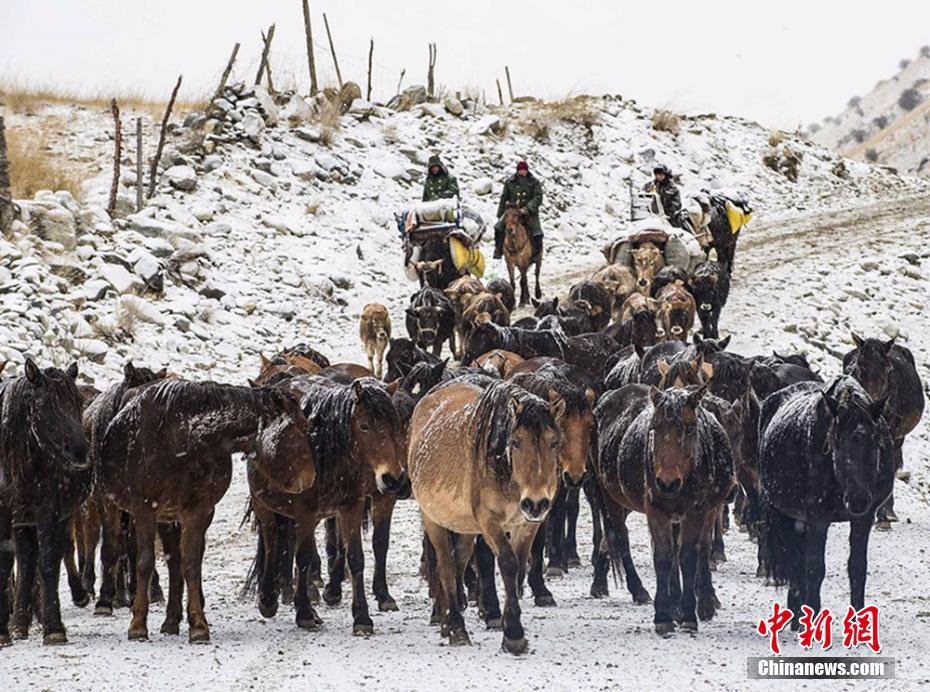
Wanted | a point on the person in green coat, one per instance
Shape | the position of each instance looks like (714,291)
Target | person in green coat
(524,191)
(439,183)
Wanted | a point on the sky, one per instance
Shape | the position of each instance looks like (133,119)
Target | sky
(780,63)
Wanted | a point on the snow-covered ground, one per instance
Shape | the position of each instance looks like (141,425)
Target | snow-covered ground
(821,259)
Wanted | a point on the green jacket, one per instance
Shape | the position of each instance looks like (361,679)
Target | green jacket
(523,192)
(439,186)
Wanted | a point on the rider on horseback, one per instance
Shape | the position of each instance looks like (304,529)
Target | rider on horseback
(440,184)
(523,191)
(664,186)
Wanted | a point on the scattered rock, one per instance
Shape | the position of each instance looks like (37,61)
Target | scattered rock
(182,178)
(453,106)
(482,186)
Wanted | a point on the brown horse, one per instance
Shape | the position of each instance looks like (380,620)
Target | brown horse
(647,261)
(281,362)
(358,447)
(167,457)
(484,461)
(518,253)
(44,478)
(460,292)
(499,361)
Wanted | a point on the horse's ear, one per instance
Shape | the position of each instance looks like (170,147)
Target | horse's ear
(162,374)
(696,338)
(724,342)
(590,395)
(534,301)
(833,405)
(694,398)
(888,345)
(857,340)
(252,383)
(32,372)
(663,367)
(265,362)
(515,406)
(129,370)
(73,370)
(557,407)
(877,408)
(391,388)
(357,389)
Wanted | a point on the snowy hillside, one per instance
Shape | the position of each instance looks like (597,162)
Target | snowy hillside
(275,237)
(889,125)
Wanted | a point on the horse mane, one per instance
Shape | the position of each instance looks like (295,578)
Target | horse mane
(185,398)
(576,401)
(495,424)
(329,408)
(847,391)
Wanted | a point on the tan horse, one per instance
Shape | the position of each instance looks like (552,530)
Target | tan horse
(484,461)
(518,252)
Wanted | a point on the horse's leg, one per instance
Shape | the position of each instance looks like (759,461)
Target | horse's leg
(489,607)
(462,551)
(336,557)
(538,269)
(572,507)
(815,543)
(193,534)
(52,537)
(618,542)
(92,526)
(382,509)
(27,548)
(144,564)
(674,581)
(510,273)
(859,530)
(707,597)
(718,553)
(110,550)
(439,538)
(886,514)
(597,532)
(510,557)
(554,535)
(541,594)
(170,535)
(524,286)
(284,571)
(663,557)
(78,593)
(6,572)
(350,529)
(267,562)
(307,617)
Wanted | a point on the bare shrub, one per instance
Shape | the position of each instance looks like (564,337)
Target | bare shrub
(871,155)
(666,121)
(910,99)
(776,137)
(328,118)
(858,135)
(785,160)
(904,63)
(880,122)
(33,167)
(854,102)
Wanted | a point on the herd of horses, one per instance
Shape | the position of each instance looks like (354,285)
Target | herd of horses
(610,393)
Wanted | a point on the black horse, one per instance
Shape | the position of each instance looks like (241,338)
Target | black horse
(825,456)
(44,478)
(402,355)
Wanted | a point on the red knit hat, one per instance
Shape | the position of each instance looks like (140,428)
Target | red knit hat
(523,166)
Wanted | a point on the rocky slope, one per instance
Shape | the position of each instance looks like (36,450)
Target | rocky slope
(268,228)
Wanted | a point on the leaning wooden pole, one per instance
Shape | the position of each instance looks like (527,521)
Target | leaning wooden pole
(509,85)
(500,94)
(117,156)
(153,171)
(332,49)
(265,50)
(371,55)
(227,71)
(430,73)
(138,164)
(311,59)
(7,210)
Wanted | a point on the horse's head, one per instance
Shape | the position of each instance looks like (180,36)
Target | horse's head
(55,415)
(377,435)
(857,436)
(730,376)
(423,377)
(534,450)
(672,443)
(647,261)
(283,454)
(577,425)
(645,331)
(683,372)
(871,365)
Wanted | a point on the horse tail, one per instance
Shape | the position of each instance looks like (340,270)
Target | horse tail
(782,538)
(599,508)
(247,515)
(250,585)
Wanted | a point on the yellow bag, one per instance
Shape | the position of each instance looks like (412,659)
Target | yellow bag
(468,258)
(737,217)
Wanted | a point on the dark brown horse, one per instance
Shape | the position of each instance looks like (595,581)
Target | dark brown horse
(167,457)
(518,253)
(358,448)
(44,478)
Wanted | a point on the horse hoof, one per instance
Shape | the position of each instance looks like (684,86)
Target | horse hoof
(198,635)
(54,638)
(642,597)
(494,623)
(5,640)
(599,591)
(434,619)
(81,601)
(545,601)
(138,634)
(101,609)
(761,572)
(574,561)
(717,605)
(268,610)
(719,557)
(388,605)
(883,526)
(665,629)
(706,611)
(171,627)
(554,572)
(459,638)
(689,627)
(361,629)
(332,597)
(516,646)
(20,632)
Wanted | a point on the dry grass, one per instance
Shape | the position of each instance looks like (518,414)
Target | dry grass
(776,137)
(543,115)
(33,167)
(389,133)
(328,118)
(666,121)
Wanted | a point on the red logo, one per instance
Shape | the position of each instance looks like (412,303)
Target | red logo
(860,628)
(775,624)
(817,629)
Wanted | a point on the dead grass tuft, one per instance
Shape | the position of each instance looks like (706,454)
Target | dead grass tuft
(541,116)
(776,137)
(328,118)
(666,121)
(34,167)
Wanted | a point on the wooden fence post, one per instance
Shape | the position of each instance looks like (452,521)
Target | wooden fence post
(401,79)
(138,164)
(509,85)
(265,50)
(311,59)
(153,172)
(500,94)
(226,72)
(117,155)
(371,55)
(332,50)
(430,77)
(7,209)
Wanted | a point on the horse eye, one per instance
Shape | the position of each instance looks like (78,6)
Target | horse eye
(364,427)
(515,444)
(556,443)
